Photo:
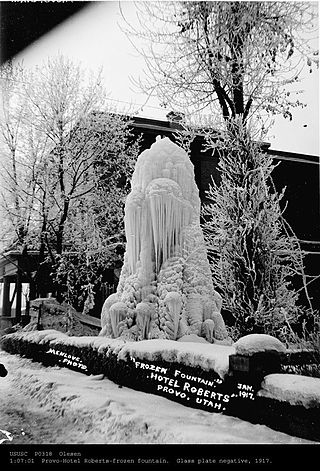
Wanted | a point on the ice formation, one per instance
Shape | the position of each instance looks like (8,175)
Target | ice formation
(165,288)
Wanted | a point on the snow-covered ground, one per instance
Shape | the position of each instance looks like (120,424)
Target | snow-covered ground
(59,406)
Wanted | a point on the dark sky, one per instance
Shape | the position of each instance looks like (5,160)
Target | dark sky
(24,22)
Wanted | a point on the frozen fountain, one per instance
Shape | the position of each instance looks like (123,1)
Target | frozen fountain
(165,288)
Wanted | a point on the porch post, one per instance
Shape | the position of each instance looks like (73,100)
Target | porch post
(18,296)
(6,309)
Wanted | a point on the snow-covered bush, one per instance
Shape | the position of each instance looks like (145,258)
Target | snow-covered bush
(308,369)
(308,342)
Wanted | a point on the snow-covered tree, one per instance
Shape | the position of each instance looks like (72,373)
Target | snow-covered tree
(23,149)
(234,58)
(94,230)
(65,156)
(17,191)
(254,255)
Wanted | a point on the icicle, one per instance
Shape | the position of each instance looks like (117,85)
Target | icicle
(143,319)
(194,312)
(118,313)
(105,314)
(173,302)
(132,223)
(220,331)
(169,214)
(208,330)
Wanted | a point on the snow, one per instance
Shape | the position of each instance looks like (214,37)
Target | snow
(40,336)
(99,343)
(295,389)
(192,338)
(253,343)
(207,356)
(84,410)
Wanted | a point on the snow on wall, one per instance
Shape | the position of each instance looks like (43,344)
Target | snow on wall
(165,288)
(40,336)
(205,355)
(253,343)
(295,389)
(102,344)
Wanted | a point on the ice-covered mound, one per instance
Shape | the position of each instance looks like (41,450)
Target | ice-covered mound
(254,343)
(165,288)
